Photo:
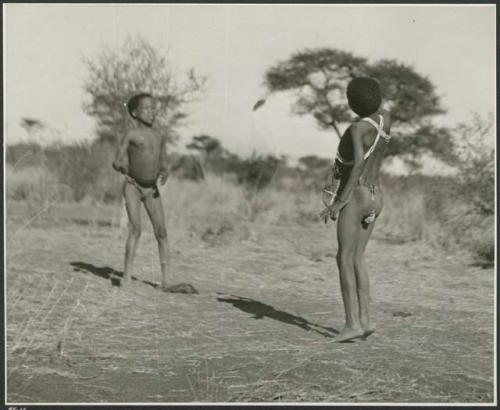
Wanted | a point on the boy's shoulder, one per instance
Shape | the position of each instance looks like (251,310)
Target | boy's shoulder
(359,126)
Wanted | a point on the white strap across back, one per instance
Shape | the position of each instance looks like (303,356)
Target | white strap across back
(380,133)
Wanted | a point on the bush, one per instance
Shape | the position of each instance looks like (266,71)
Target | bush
(83,167)
(435,209)
(475,150)
(24,154)
(185,166)
(35,186)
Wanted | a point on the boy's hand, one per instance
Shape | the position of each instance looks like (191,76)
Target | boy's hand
(336,208)
(332,211)
(324,214)
(163,178)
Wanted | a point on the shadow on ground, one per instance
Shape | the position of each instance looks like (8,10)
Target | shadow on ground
(483,264)
(107,273)
(260,310)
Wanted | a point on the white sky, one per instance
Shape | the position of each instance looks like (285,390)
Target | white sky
(234,45)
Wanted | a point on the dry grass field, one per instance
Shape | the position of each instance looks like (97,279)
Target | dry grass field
(263,325)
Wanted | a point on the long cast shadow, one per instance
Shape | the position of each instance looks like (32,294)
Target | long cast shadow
(260,310)
(106,272)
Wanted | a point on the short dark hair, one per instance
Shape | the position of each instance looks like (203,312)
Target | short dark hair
(134,101)
(364,95)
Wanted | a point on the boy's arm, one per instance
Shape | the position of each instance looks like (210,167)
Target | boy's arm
(329,186)
(120,163)
(163,161)
(387,119)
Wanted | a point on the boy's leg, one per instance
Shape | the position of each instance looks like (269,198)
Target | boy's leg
(375,203)
(154,208)
(347,236)
(133,207)
(363,283)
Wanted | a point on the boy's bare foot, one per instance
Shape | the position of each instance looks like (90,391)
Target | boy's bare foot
(180,288)
(349,333)
(368,329)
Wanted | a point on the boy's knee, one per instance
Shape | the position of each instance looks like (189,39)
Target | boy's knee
(161,233)
(345,259)
(134,230)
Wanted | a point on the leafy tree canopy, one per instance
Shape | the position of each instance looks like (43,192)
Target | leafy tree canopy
(319,79)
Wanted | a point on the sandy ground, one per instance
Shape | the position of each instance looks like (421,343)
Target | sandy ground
(261,330)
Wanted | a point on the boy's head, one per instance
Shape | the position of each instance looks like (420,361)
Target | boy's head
(142,107)
(364,96)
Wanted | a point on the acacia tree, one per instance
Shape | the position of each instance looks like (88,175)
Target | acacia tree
(319,78)
(114,75)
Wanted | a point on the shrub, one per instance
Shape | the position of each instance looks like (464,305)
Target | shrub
(474,146)
(35,186)
(24,154)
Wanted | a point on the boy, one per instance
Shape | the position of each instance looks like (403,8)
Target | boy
(141,157)
(357,200)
